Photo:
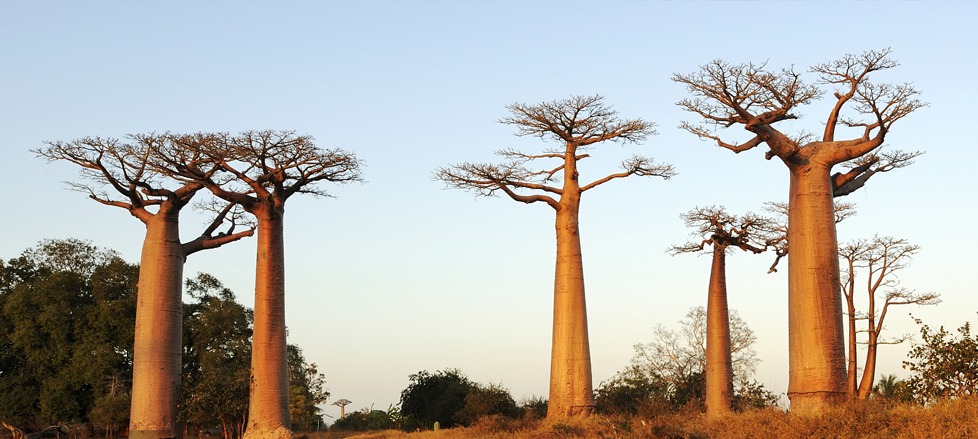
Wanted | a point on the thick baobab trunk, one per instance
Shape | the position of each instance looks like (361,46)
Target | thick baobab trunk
(159,315)
(817,372)
(719,367)
(571,392)
(268,414)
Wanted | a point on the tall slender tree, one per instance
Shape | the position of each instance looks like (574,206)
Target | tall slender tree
(576,124)
(722,231)
(126,167)
(756,98)
(878,259)
(260,171)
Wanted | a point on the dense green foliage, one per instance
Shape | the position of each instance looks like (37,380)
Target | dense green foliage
(436,397)
(631,392)
(483,401)
(216,357)
(367,419)
(67,316)
(944,366)
(307,389)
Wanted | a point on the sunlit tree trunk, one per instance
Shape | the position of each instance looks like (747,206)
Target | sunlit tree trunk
(719,367)
(580,121)
(851,370)
(571,392)
(159,315)
(869,372)
(817,372)
(268,415)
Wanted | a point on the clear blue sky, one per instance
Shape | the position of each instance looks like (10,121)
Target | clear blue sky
(398,275)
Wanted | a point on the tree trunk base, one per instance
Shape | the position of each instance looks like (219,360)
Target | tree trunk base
(815,403)
(572,412)
(155,434)
(278,433)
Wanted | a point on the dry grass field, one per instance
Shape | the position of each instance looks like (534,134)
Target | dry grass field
(871,419)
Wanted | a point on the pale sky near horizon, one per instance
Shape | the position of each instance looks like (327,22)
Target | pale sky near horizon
(398,274)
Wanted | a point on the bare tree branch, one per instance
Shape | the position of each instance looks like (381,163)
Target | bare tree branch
(750,95)
(582,120)
(715,227)
(578,122)
(868,165)
(637,165)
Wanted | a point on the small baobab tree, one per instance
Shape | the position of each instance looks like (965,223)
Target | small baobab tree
(721,231)
(156,200)
(342,403)
(757,98)
(260,171)
(879,258)
(576,124)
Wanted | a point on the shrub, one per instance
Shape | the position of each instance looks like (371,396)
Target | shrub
(944,366)
(534,407)
(436,397)
(631,393)
(482,401)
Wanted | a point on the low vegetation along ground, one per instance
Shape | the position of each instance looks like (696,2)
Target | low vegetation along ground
(869,419)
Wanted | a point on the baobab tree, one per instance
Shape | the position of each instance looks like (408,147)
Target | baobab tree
(342,403)
(576,124)
(260,171)
(722,231)
(156,200)
(879,258)
(757,98)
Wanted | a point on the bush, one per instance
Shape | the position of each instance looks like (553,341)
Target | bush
(435,397)
(367,419)
(631,393)
(534,407)
(483,401)
(945,366)
(635,392)
(753,396)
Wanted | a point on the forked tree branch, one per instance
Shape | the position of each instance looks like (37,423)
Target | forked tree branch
(724,95)
(637,165)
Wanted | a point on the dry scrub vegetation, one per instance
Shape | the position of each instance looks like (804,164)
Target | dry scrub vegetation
(866,419)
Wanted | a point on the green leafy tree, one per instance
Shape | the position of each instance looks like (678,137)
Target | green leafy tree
(307,389)
(111,412)
(217,363)
(217,357)
(436,397)
(67,309)
(944,366)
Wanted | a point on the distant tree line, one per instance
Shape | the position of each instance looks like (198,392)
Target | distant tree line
(67,315)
